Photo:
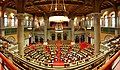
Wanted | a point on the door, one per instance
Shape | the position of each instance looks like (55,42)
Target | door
(65,36)
(59,36)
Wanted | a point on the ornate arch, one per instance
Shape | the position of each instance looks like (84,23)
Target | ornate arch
(111,12)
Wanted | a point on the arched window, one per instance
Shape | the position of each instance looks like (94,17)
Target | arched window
(113,20)
(106,21)
(13,21)
(5,20)
(30,23)
(16,21)
(91,22)
(26,21)
(101,22)
(89,25)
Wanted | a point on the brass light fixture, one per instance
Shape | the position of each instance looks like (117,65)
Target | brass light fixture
(58,9)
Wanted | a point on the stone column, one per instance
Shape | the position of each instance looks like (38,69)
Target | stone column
(85,22)
(62,35)
(33,25)
(33,30)
(55,36)
(86,37)
(85,26)
(97,31)
(46,20)
(2,28)
(72,26)
(116,23)
(119,24)
(20,34)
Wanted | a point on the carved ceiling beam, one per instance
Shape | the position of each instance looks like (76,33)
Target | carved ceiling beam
(20,5)
(96,6)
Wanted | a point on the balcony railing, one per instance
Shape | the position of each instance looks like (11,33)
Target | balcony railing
(9,31)
(108,64)
(7,63)
(109,30)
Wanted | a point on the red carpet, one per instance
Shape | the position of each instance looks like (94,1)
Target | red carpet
(58,61)
(84,45)
(70,49)
(47,49)
(33,47)
(58,64)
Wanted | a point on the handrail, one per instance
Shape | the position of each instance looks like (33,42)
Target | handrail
(107,65)
(1,67)
(9,63)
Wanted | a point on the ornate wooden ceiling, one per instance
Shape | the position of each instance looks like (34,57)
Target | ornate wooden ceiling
(73,7)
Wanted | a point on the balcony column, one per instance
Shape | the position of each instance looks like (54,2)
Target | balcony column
(72,26)
(55,36)
(97,31)
(46,20)
(86,37)
(62,35)
(116,23)
(85,26)
(2,28)
(119,24)
(20,34)
(33,30)
(33,25)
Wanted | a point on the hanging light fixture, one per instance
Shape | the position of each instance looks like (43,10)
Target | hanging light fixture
(58,12)
(58,9)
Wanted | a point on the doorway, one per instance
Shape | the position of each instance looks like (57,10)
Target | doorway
(59,36)
(53,36)
(65,36)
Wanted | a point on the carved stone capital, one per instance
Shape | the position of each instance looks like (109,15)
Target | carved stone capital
(95,14)
(20,15)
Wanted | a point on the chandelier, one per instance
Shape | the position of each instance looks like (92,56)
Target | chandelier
(58,12)
(58,9)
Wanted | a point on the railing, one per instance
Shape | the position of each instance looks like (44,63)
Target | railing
(9,31)
(108,30)
(7,62)
(1,67)
(108,64)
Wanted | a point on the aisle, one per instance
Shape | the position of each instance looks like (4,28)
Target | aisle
(58,61)
(84,45)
